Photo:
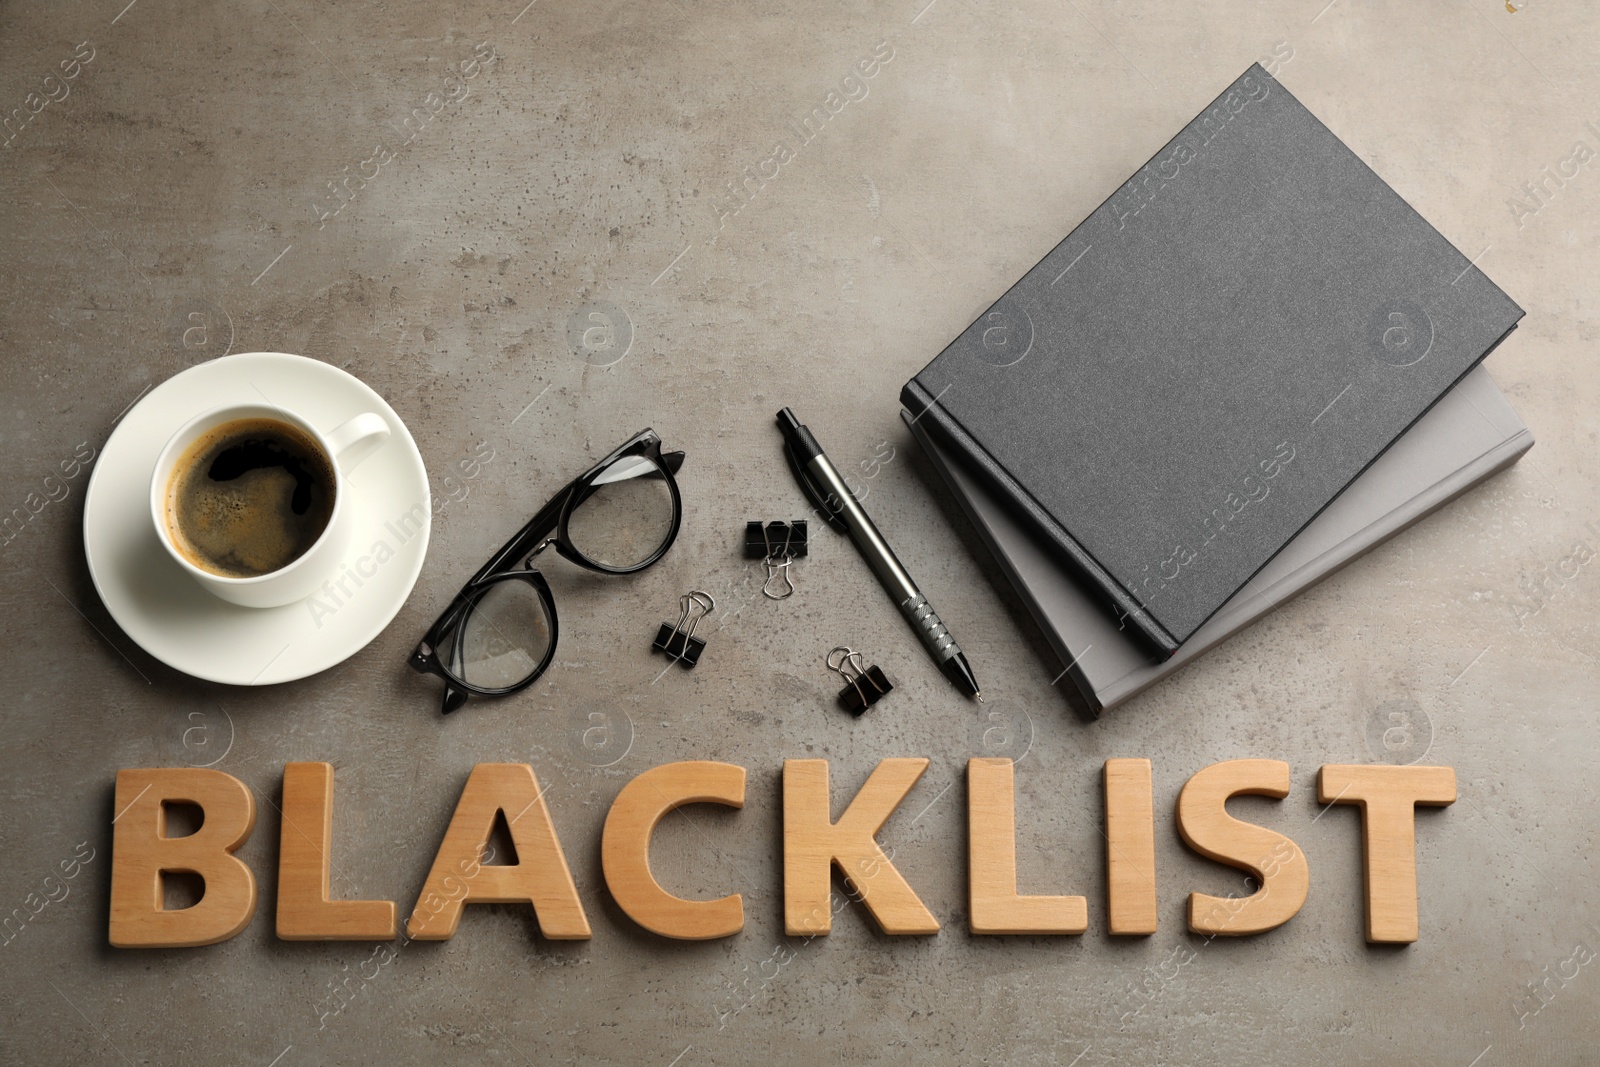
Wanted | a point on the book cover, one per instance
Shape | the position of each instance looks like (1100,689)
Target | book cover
(1210,358)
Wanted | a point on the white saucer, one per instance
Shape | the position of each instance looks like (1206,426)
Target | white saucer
(179,623)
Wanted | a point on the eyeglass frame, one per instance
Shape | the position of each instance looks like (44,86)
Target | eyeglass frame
(547,528)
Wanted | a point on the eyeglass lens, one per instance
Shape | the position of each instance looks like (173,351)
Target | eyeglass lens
(502,638)
(626,516)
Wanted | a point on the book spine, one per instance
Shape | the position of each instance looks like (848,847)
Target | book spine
(1081,693)
(1129,612)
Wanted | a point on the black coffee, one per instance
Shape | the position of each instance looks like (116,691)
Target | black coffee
(249,497)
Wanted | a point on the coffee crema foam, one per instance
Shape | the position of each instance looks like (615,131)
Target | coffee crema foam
(249,497)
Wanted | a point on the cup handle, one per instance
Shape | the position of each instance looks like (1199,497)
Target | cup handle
(353,440)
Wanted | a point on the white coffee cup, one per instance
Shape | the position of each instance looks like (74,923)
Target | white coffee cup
(345,447)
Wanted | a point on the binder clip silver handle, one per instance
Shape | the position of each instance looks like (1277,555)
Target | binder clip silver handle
(777,544)
(776,571)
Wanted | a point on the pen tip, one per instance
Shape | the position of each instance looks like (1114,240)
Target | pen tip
(979,695)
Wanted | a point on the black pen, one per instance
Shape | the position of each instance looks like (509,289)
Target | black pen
(821,482)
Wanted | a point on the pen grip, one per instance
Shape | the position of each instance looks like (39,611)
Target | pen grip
(930,628)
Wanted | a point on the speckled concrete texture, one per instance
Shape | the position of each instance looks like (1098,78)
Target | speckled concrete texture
(434,196)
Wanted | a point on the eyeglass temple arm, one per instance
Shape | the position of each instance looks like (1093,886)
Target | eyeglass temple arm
(538,528)
(671,460)
(453,698)
(544,524)
(541,526)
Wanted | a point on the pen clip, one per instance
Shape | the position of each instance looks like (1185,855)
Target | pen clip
(829,515)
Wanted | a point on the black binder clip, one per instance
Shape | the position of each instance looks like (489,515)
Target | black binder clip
(775,538)
(678,641)
(867,685)
(778,544)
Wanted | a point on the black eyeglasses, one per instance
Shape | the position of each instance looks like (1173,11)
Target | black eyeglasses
(499,633)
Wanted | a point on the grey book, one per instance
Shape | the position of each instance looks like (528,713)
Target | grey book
(1469,435)
(1210,358)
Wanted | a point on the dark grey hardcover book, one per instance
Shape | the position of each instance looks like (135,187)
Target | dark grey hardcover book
(1469,435)
(1210,358)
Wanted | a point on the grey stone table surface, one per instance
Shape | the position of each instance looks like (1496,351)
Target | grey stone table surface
(183,181)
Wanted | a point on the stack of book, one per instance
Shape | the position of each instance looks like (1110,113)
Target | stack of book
(1248,366)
